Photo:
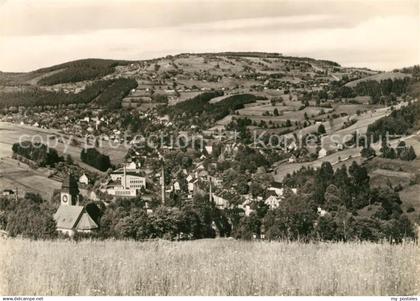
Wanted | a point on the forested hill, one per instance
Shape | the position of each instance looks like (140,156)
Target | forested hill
(80,70)
(173,79)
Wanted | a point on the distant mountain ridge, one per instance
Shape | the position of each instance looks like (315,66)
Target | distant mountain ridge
(173,78)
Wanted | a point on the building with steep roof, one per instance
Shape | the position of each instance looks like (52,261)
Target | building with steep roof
(70,217)
(84,179)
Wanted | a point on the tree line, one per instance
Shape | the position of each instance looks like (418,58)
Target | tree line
(107,93)
(380,92)
(328,205)
(200,111)
(39,153)
(114,93)
(30,217)
(353,209)
(79,70)
(93,157)
(399,122)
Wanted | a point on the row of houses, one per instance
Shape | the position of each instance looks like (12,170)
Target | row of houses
(272,201)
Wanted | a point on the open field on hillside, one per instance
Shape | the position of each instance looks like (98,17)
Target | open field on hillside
(206,267)
(414,141)
(351,109)
(345,157)
(379,77)
(410,198)
(287,112)
(348,155)
(383,177)
(363,121)
(10,133)
(15,174)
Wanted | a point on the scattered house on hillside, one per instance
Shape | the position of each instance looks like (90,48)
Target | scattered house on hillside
(209,149)
(71,218)
(228,151)
(192,186)
(292,159)
(216,181)
(280,191)
(322,153)
(277,190)
(164,119)
(321,211)
(131,166)
(261,170)
(203,174)
(292,146)
(220,202)
(273,201)
(84,179)
(92,196)
(246,205)
(200,166)
(8,192)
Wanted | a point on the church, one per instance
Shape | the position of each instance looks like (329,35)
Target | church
(70,216)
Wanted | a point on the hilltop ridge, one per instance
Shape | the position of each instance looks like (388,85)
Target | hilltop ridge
(173,78)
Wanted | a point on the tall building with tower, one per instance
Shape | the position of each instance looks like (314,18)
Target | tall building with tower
(69,193)
(70,216)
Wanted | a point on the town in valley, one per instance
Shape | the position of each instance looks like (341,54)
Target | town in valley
(247,145)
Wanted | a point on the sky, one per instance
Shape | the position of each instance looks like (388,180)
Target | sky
(378,34)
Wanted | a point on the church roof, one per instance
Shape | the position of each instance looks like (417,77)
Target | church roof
(86,222)
(67,217)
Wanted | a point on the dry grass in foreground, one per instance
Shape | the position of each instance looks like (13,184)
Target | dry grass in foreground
(206,267)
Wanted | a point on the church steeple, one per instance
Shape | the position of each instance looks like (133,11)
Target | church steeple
(69,191)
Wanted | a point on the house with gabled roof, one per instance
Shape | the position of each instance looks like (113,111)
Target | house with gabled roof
(71,218)
(273,201)
(84,179)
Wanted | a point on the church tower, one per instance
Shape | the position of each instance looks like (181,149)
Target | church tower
(69,194)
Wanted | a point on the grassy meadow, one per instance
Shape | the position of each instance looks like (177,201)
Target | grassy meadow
(206,267)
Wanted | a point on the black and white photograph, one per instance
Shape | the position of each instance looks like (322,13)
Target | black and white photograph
(209,148)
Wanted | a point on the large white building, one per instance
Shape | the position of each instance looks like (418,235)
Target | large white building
(129,180)
(220,202)
(120,191)
(125,183)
